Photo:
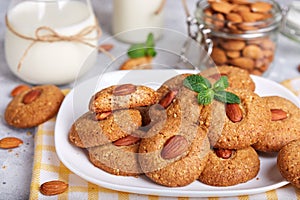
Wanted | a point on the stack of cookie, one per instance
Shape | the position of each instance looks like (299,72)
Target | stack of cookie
(109,130)
(172,139)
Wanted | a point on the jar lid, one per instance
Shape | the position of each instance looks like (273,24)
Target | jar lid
(290,26)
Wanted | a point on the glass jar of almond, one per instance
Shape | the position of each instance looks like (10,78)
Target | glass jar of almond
(243,32)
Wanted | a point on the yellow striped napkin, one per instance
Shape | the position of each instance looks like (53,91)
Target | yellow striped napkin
(47,167)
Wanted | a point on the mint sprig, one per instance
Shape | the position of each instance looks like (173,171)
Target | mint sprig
(143,49)
(207,92)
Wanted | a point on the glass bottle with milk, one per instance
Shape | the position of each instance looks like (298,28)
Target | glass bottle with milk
(134,19)
(50,41)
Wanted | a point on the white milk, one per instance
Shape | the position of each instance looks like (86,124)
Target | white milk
(57,62)
(136,14)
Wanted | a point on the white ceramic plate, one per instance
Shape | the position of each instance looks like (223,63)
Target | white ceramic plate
(76,103)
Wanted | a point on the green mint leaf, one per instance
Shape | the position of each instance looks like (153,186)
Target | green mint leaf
(221,84)
(136,51)
(150,52)
(150,40)
(196,83)
(205,97)
(143,49)
(226,97)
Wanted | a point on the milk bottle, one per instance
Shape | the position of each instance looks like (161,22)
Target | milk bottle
(50,42)
(134,19)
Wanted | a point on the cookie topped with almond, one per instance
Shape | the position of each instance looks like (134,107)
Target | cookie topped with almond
(283,126)
(122,97)
(194,127)
(33,106)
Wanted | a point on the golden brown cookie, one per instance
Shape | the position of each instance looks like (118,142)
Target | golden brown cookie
(283,126)
(288,162)
(122,97)
(172,84)
(87,131)
(118,158)
(168,92)
(230,167)
(173,154)
(236,126)
(34,106)
(137,63)
(237,77)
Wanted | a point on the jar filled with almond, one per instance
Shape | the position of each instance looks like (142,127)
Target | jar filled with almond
(243,32)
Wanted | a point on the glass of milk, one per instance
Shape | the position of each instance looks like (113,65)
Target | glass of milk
(132,19)
(50,41)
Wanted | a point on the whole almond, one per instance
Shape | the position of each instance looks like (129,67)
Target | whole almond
(251,17)
(243,62)
(241,8)
(124,89)
(106,47)
(233,45)
(53,187)
(234,112)
(102,116)
(222,7)
(219,56)
(234,17)
(10,142)
(127,141)
(223,153)
(253,51)
(260,6)
(278,114)
(174,146)
(31,96)
(19,89)
(168,98)
(233,54)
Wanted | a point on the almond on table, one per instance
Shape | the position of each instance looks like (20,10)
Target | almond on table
(10,142)
(53,187)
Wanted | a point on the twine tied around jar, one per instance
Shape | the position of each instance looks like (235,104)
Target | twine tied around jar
(47,34)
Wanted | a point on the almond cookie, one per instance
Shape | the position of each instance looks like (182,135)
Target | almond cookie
(87,131)
(230,167)
(237,78)
(119,157)
(288,162)
(34,106)
(137,63)
(283,126)
(173,154)
(166,95)
(122,97)
(172,84)
(236,126)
